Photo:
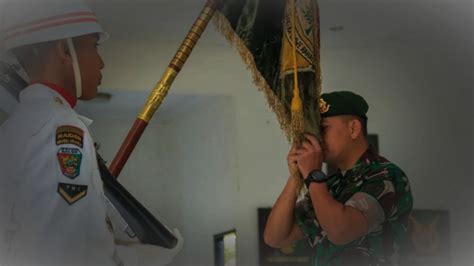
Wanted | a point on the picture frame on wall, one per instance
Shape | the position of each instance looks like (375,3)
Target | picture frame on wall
(429,239)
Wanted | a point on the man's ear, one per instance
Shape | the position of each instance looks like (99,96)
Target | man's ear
(62,49)
(356,128)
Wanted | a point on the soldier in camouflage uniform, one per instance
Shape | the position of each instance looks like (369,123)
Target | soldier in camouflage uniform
(359,215)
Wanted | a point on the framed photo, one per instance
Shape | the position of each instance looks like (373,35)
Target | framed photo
(429,241)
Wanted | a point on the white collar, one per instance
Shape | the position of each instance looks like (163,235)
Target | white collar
(38,90)
(86,120)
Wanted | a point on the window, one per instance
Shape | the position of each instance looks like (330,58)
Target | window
(225,248)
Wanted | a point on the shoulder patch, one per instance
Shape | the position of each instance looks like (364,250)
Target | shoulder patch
(72,193)
(69,135)
(70,162)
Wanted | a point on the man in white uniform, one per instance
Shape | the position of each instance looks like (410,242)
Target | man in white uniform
(52,206)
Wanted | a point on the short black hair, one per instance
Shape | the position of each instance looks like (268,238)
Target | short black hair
(363,123)
(27,56)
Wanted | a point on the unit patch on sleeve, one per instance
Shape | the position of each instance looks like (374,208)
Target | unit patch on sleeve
(70,162)
(72,193)
(69,135)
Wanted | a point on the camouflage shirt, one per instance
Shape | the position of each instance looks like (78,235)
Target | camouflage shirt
(381,191)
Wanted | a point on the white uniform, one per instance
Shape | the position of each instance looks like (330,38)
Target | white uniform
(52,206)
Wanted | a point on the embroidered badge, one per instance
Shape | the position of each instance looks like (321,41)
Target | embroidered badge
(70,161)
(323,106)
(72,193)
(69,135)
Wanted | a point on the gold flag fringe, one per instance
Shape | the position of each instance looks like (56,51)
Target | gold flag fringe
(317,61)
(292,125)
(297,121)
(224,27)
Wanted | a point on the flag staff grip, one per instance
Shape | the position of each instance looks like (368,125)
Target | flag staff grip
(161,88)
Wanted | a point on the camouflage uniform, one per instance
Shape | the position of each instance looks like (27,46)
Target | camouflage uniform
(381,191)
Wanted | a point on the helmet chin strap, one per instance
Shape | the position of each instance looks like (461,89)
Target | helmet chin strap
(75,66)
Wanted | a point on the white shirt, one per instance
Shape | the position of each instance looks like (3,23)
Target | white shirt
(52,205)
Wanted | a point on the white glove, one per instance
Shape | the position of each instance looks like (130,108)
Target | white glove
(144,254)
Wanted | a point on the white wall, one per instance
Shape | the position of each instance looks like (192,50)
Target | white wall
(183,170)
(420,100)
(207,170)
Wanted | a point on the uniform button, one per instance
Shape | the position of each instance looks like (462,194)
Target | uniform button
(57,100)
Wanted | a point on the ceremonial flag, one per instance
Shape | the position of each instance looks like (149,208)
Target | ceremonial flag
(276,39)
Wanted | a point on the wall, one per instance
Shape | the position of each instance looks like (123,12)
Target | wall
(209,169)
(420,107)
(184,170)
(420,99)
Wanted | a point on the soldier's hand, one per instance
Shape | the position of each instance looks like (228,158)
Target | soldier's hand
(309,157)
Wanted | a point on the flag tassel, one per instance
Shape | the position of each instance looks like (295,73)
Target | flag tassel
(297,119)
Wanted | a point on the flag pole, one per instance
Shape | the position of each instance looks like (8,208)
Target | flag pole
(162,87)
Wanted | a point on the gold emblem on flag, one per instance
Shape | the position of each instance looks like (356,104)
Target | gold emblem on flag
(323,106)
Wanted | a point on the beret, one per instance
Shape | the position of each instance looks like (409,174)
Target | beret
(342,103)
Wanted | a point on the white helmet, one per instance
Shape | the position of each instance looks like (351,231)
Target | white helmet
(26,22)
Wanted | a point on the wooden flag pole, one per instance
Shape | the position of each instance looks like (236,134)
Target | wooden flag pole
(162,87)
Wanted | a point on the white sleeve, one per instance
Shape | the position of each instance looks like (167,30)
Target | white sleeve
(59,206)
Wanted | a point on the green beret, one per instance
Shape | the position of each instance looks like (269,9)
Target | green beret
(342,103)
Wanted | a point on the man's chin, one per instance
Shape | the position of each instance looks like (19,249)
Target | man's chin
(325,156)
(328,160)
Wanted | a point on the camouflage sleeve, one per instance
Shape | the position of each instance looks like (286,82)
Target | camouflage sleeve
(375,199)
(305,218)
